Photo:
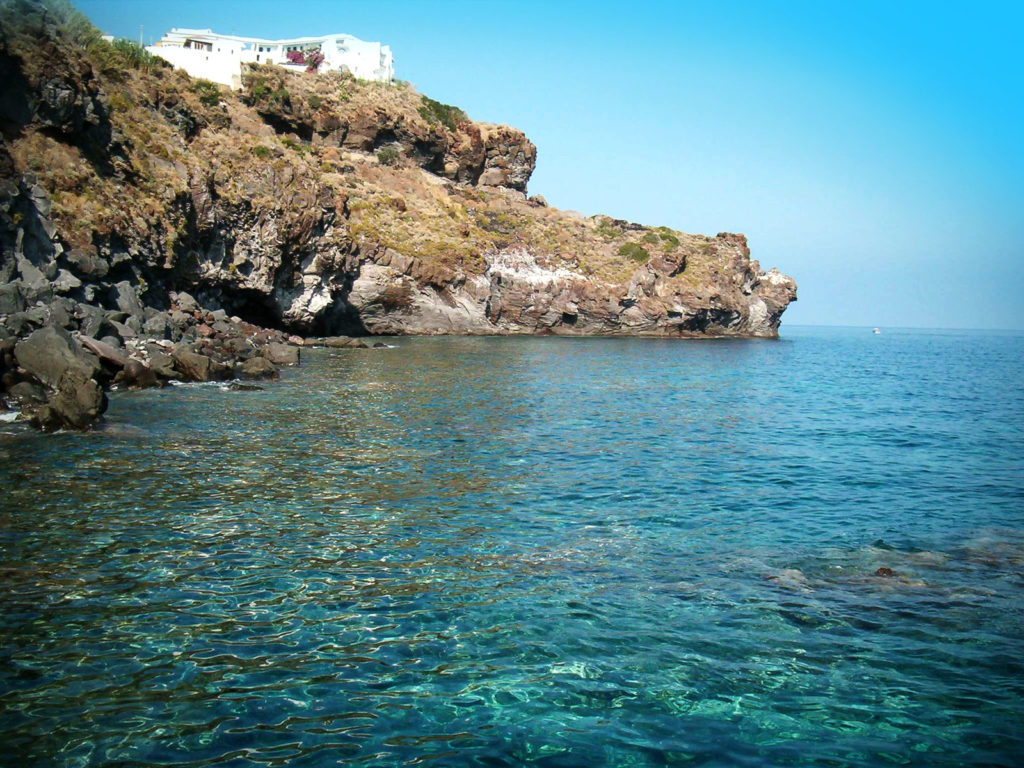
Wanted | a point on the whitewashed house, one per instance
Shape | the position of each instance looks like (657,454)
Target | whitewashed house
(204,53)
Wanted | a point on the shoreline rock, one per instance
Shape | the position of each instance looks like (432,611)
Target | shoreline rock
(56,375)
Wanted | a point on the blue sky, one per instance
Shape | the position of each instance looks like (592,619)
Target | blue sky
(873,151)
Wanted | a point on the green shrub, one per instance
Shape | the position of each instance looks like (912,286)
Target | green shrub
(650,237)
(116,58)
(208,92)
(313,101)
(295,146)
(388,156)
(634,251)
(135,56)
(262,152)
(668,238)
(445,114)
(262,91)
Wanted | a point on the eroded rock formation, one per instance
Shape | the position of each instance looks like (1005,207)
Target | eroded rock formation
(309,204)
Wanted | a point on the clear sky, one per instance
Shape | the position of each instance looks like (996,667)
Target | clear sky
(872,150)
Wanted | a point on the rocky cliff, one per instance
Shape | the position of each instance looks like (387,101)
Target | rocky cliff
(310,204)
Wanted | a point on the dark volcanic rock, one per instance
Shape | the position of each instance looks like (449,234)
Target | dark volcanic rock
(26,392)
(11,300)
(105,352)
(49,352)
(79,400)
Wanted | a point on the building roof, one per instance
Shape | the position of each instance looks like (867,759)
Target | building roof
(209,35)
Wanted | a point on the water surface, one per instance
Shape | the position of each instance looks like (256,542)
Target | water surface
(507,551)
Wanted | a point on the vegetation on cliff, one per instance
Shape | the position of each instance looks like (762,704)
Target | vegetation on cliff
(312,203)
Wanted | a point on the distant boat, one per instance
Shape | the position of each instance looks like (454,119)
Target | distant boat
(875,330)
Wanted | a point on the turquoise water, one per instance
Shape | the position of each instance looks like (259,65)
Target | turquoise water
(507,551)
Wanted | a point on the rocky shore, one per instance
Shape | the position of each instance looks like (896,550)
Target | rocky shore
(56,371)
(154,227)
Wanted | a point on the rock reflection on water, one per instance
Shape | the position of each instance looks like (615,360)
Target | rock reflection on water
(510,551)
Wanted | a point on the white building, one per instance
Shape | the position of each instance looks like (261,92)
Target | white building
(204,53)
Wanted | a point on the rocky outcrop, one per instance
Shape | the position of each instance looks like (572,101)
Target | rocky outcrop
(332,110)
(173,230)
(72,397)
(517,295)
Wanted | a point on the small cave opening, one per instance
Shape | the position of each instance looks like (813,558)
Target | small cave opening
(253,307)
(569,319)
(284,124)
(341,319)
(384,136)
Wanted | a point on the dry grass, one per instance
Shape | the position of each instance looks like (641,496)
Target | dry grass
(173,131)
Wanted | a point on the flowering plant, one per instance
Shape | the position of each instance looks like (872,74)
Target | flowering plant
(313,60)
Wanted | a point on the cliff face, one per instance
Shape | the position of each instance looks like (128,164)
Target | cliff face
(317,204)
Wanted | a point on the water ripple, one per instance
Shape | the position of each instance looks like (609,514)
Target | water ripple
(516,551)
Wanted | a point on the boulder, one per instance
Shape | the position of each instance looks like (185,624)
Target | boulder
(184,301)
(137,374)
(58,315)
(92,321)
(86,264)
(30,273)
(65,282)
(221,371)
(258,368)
(26,392)
(79,401)
(49,352)
(163,365)
(125,297)
(281,354)
(191,366)
(338,342)
(124,330)
(11,300)
(105,352)
(158,326)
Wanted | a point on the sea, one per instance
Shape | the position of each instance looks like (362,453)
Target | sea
(531,551)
